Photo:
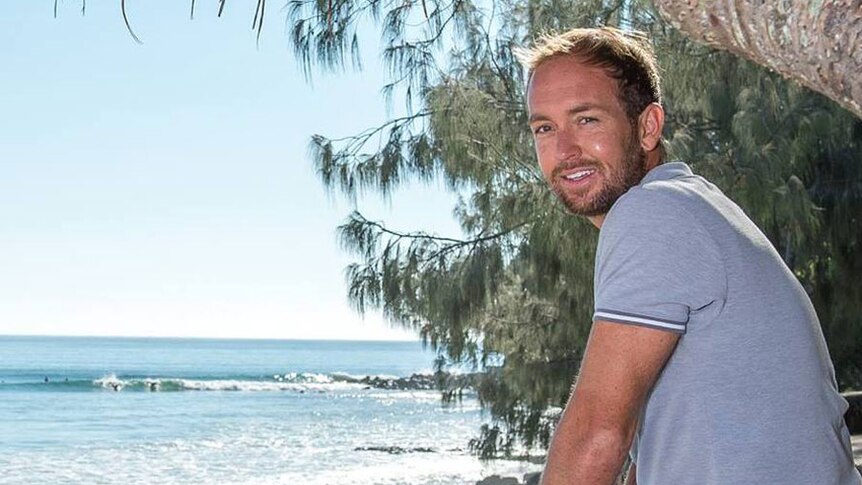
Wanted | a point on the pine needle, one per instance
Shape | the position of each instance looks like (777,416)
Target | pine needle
(258,19)
(126,20)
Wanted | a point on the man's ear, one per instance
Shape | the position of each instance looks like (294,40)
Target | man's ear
(650,126)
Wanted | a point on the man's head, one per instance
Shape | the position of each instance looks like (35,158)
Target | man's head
(594,99)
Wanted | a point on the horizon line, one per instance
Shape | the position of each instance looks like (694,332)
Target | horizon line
(176,337)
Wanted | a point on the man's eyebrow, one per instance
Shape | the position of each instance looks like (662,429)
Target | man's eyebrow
(583,107)
(572,111)
(534,118)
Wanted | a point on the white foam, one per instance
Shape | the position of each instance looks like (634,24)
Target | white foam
(338,383)
(304,377)
(259,386)
(289,382)
(111,381)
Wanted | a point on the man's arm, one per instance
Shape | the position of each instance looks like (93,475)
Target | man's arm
(621,364)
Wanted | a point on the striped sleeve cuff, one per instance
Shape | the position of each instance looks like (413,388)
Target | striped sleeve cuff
(641,320)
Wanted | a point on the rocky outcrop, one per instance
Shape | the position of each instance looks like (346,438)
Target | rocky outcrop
(529,479)
(395,450)
(414,382)
(498,480)
(532,478)
(417,382)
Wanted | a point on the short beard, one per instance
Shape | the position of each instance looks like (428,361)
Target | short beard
(632,171)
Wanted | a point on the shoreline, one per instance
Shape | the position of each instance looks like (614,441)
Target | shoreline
(532,478)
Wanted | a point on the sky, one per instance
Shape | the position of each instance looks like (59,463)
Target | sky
(165,189)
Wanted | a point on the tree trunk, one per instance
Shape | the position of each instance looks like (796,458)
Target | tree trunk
(815,43)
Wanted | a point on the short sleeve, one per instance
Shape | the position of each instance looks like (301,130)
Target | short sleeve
(655,263)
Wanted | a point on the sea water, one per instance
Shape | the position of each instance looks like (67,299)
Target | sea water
(77,410)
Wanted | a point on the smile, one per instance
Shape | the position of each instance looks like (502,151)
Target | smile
(579,175)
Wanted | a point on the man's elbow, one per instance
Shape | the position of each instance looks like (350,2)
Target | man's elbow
(605,446)
(593,456)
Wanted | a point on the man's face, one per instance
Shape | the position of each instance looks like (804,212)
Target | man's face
(588,149)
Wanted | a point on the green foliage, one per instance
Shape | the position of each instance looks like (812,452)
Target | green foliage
(518,285)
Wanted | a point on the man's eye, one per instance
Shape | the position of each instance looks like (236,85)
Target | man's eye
(585,120)
(542,129)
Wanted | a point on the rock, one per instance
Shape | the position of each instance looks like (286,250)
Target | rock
(853,416)
(498,480)
(395,450)
(856,443)
(532,478)
(417,382)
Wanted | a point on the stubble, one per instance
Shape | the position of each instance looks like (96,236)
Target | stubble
(617,182)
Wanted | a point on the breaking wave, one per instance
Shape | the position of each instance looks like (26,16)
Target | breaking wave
(300,382)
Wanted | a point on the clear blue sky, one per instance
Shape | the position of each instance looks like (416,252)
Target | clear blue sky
(165,189)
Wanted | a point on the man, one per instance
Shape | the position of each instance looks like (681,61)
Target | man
(705,361)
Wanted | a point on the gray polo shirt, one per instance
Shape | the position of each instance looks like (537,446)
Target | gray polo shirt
(749,395)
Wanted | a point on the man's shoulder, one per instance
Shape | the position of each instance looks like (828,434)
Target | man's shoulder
(657,204)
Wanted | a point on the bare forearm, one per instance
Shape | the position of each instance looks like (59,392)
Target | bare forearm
(597,427)
(575,458)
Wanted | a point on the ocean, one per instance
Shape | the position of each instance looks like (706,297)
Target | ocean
(85,410)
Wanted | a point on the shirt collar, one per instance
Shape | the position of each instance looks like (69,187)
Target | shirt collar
(667,171)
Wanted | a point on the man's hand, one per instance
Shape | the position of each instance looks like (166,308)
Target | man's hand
(621,364)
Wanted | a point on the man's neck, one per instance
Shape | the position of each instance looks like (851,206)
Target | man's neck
(653,160)
(597,220)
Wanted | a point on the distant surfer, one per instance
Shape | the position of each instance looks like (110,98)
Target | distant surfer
(46,379)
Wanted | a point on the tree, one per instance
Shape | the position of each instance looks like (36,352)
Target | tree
(815,43)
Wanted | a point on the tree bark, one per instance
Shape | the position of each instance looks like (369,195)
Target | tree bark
(814,42)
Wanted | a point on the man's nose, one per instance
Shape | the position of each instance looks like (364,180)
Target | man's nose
(567,145)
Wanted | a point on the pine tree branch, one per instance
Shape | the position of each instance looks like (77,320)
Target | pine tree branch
(356,142)
(452,244)
(457,242)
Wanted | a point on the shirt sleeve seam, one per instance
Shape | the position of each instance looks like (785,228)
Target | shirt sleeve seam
(698,225)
